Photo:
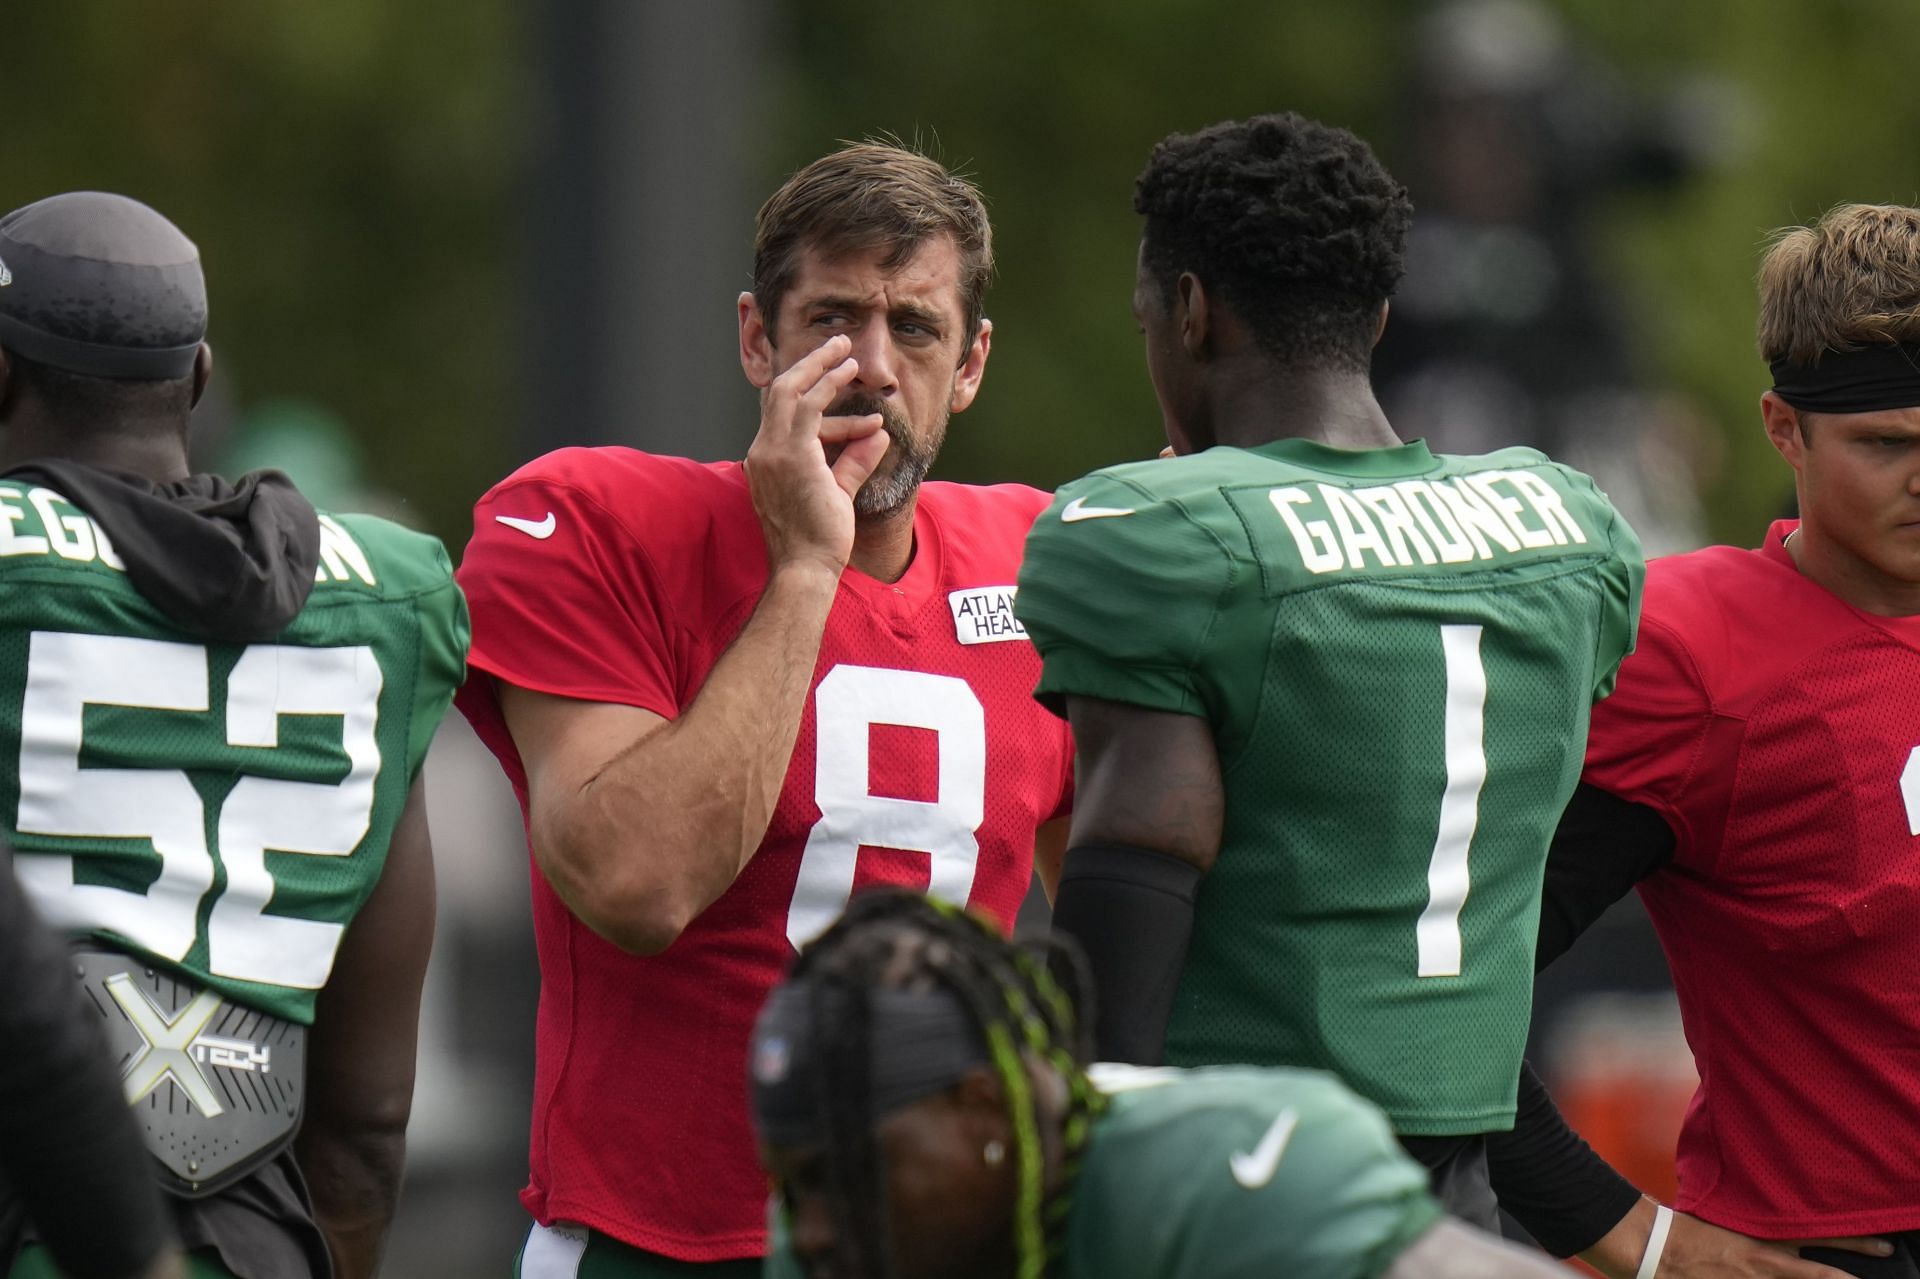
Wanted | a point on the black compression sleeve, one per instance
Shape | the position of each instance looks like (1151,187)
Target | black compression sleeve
(1131,911)
(1550,1179)
(1603,846)
(67,1140)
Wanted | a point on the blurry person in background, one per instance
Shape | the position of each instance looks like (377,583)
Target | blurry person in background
(221,699)
(69,1150)
(1509,329)
(1756,774)
(925,1107)
(1329,689)
(730,696)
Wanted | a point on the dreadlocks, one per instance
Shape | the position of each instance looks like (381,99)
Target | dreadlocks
(1021,1003)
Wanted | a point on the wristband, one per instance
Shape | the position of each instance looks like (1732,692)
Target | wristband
(1656,1242)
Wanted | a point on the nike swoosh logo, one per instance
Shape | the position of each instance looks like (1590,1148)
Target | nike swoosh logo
(540,529)
(1255,1168)
(1076,510)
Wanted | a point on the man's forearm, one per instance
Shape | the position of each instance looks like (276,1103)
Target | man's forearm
(355,1184)
(663,829)
(1552,1181)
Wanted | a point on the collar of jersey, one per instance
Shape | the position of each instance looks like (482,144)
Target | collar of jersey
(1412,458)
(1905,629)
(923,574)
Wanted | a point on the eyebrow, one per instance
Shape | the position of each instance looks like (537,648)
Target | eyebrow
(903,311)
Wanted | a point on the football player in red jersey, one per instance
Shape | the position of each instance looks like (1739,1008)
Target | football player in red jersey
(1757,774)
(729,695)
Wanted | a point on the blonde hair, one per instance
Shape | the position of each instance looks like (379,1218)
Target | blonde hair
(1850,280)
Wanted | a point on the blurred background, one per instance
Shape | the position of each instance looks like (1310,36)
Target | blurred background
(444,237)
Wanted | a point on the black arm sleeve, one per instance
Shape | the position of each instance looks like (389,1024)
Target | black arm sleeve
(1603,847)
(1550,1180)
(1545,1175)
(68,1145)
(1131,911)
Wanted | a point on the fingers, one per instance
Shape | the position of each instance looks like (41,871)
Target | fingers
(843,429)
(857,460)
(1865,1245)
(1792,1267)
(813,383)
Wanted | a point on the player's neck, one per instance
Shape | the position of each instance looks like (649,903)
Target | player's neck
(1832,567)
(1279,403)
(158,453)
(883,544)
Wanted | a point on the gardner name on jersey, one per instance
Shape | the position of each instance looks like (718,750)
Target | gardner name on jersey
(1397,652)
(222,808)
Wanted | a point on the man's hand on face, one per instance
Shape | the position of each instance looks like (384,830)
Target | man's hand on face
(805,502)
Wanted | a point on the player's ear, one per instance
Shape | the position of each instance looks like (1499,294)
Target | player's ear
(981,1100)
(202,372)
(1786,428)
(1194,313)
(1380,329)
(756,342)
(973,367)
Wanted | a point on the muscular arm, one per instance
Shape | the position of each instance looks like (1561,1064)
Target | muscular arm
(1147,817)
(641,823)
(68,1146)
(352,1143)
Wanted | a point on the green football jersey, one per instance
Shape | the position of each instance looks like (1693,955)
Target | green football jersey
(1231,1173)
(223,809)
(1397,652)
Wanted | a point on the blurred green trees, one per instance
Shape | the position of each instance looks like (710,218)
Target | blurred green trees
(345,169)
(349,171)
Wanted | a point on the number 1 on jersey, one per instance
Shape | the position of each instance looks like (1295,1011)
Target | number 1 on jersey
(1438,932)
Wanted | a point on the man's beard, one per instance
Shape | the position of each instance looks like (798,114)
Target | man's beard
(909,456)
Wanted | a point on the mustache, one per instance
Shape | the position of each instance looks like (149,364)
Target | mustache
(861,403)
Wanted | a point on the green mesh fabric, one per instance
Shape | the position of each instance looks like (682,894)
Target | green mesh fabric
(116,731)
(1398,679)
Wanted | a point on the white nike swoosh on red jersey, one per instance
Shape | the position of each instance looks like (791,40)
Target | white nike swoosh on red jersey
(541,529)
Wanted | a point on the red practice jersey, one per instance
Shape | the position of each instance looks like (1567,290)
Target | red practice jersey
(1778,732)
(611,575)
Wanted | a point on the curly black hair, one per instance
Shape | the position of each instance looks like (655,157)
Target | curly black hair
(1293,223)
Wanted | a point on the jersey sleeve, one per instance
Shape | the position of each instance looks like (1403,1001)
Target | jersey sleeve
(446,633)
(1307,1182)
(1623,581)
(1645,740)
(564,597)
(1119,591)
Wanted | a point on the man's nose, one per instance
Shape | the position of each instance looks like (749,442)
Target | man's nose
(874,348)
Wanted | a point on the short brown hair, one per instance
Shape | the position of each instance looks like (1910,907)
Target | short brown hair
(868,195)
(1850,280)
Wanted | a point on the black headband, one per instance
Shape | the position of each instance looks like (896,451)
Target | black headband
(1864,381)
(923,1042)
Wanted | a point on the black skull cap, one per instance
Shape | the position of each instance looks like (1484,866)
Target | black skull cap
(101,285)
